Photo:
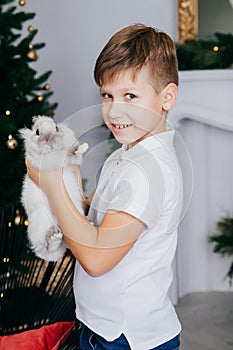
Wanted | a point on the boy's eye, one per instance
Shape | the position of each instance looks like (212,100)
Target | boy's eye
(106,95)
(130,96)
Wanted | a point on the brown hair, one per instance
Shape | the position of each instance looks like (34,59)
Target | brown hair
(136,46)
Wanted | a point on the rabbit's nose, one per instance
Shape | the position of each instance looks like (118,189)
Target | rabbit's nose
(46,136)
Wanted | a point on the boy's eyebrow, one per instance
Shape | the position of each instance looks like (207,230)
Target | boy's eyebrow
(130,88)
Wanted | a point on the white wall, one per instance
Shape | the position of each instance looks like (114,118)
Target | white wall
(76,30)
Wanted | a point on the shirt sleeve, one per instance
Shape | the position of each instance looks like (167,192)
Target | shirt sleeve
(140,191)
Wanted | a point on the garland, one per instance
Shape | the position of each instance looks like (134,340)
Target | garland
(216,53)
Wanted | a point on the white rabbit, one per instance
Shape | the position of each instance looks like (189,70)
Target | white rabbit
(49,146)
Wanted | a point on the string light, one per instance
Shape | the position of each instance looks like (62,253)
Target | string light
(17,218)
(40,98)
(215,48)
(8,112)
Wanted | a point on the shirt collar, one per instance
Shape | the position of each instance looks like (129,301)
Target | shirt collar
(162,140)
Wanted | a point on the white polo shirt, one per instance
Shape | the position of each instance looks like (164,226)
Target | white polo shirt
(144,181)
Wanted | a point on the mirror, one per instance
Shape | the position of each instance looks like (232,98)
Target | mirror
(202,18)
(214,17)
(187,20)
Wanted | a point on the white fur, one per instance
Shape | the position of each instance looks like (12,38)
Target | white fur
(49,146)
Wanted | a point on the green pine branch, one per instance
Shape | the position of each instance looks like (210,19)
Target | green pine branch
(9,20)
(206,54)
(223,240)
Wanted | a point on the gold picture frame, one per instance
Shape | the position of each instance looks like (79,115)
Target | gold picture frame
(187,20)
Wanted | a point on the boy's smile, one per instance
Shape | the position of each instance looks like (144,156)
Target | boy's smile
(120,126)
(131,108)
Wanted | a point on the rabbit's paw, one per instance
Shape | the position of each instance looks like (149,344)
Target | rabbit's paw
(54,238)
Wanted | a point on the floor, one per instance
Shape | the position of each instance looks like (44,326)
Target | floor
(207,321)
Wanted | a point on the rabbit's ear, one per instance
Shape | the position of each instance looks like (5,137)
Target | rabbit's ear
(24,132)
(34,119)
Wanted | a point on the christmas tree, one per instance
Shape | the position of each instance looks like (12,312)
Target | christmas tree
(23,94)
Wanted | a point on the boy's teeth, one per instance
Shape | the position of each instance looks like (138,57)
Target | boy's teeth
(121,126)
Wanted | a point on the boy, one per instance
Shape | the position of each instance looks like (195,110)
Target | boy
(123,270)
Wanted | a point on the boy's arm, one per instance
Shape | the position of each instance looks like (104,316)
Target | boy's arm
(98,249)
(96,259)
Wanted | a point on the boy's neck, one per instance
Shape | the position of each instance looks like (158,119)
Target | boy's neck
(161,128)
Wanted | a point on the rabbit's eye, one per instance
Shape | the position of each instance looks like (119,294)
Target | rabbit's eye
(57,128)
(37,132)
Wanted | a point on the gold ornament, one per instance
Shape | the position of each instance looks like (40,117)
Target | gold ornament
(215,48)
(47,86)
(11,143)
(32,54)
(31,29)
(22,2)
(40,98)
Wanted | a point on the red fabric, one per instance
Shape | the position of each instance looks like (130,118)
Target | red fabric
(48,337)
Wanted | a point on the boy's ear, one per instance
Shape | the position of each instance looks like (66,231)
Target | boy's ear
(169,96)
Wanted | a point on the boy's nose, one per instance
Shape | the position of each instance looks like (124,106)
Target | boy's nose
(116,110)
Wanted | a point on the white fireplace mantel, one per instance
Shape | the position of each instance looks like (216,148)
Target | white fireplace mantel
(203,117)
(205,96)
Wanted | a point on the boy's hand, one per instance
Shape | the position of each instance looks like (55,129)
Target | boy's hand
(76,171)
(44,179)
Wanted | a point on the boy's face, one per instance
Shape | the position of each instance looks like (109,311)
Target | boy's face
(131,108)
